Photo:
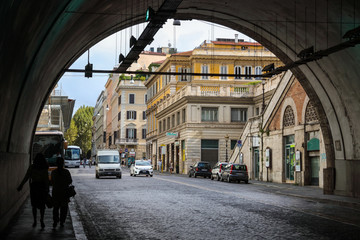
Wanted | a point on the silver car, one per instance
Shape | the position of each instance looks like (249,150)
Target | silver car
(141,167)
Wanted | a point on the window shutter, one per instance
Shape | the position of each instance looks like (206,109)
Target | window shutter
(127,133)
(135,133)
(127,114)
(134,114)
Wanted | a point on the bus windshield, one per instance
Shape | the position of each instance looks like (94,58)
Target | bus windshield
(72,154)
(51,145)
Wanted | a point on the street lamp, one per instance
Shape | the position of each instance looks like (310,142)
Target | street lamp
(226,147)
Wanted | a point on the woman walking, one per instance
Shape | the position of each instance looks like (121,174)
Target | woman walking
(61,179)
(37,174)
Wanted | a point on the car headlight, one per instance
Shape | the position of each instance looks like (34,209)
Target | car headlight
(100,169)
(118,169)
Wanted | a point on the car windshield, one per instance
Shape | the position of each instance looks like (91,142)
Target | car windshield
(109,159)
(203,165)
(142,163)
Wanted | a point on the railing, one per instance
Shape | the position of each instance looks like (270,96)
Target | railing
(206,90)
(126,141)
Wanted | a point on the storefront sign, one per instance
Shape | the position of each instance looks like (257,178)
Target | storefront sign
(172,134)
(268,157)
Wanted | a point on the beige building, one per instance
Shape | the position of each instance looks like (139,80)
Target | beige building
(193,118)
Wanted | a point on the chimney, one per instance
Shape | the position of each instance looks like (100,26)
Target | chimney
(236,38)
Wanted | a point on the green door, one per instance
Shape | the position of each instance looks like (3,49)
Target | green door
(315,168)
(289,161)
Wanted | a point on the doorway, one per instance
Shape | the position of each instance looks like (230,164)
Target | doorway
(315,169)
(256,163)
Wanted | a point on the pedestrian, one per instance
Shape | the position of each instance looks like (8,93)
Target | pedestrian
(37,174)
(61,179)
(160,169)
(84,162)
(171,167)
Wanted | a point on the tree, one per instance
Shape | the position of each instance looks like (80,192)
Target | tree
(71,133)
(81,129)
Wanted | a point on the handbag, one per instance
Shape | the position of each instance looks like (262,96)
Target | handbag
(49,201)
(70,191)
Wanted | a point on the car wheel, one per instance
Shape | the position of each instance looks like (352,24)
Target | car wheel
(151,175)
(96,175)
(194,175)
(217,177)
(134,175)
(189,175)
(131,174)
(246,181)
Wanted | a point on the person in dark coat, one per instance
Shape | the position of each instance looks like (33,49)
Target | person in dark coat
(61,179)
(37,174)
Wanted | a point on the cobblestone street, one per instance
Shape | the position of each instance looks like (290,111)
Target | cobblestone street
(177,207)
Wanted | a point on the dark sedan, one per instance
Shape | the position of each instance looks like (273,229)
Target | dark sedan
(235,172)
(200,169)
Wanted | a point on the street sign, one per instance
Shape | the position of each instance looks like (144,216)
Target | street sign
(126,150)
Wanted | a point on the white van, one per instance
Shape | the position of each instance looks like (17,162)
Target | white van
(107,163)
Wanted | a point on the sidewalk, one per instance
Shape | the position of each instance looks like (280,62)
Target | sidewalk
(22,226)
(308,192)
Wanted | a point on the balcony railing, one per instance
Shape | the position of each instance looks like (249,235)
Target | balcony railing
(122,141)
(207,90)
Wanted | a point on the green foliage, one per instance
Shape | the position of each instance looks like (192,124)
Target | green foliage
(153,65)
(253,83)
(80,132)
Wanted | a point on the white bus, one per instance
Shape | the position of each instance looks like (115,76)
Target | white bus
(72,156)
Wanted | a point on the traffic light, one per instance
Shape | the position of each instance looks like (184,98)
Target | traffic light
(88,70)
(149,14)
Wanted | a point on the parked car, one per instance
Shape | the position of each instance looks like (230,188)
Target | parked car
(200,169)
(217,169)
(235,172)
(141,167)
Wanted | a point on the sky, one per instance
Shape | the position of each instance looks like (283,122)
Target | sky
(104,55)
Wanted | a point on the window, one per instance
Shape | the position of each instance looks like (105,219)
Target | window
(289,117)
(110,140)
(144,133)
(131,98)
(168,123)
(164,125)
(257,111)
(223,70)
(119,100)
(248,71)
(311,113)
(237,72)
(119,116)
(145,97)
(104,137)
(115,136)
(131,133)
(232,144)
(183,77)
(144,115)
(238,115)
(173,120)
(209,114)
(184,115)
(160,126)
(205,69)
(177,118)
(258,71)
(131,115)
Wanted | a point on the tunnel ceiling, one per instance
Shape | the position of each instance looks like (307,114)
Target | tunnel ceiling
(41,38)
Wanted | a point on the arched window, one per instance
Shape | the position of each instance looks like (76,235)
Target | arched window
(289,117)
(311,114)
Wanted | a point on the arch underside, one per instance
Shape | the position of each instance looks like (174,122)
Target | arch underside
(40,40)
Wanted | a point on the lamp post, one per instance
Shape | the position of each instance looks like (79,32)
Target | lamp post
(226,147)
(262,130)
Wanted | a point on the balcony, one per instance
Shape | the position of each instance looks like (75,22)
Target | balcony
(126,141)
(207,90)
